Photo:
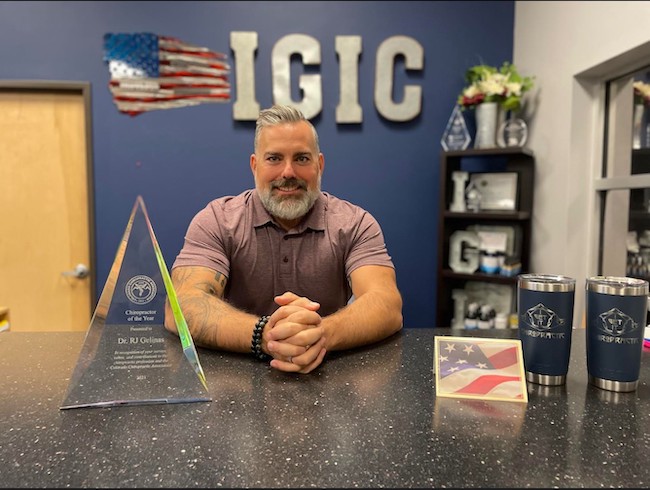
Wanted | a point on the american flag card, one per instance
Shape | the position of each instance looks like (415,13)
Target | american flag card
(480,368)
(150,72)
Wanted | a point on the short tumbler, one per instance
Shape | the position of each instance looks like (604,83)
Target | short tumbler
(545,311)
(616,315)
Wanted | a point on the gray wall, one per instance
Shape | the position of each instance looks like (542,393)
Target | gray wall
(573,48)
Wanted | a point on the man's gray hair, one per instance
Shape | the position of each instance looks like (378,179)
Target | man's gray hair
(281,114)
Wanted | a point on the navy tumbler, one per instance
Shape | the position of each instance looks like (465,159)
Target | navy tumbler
(545,315)
(616,315)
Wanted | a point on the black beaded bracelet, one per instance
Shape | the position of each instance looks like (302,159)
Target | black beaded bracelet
(256,343)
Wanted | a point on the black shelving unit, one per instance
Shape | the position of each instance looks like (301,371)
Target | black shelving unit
(511,159)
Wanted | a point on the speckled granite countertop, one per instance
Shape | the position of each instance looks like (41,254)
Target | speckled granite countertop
(366,418)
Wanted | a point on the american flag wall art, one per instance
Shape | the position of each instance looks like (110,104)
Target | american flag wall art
(480,368)
(150,72)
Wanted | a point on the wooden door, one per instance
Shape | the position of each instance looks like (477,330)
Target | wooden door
(45,210)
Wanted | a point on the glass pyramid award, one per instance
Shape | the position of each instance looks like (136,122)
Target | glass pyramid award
(456,136)
(128,357)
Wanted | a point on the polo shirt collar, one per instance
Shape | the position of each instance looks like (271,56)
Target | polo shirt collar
(315,218)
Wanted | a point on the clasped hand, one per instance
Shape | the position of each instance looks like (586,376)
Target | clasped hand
(295,337)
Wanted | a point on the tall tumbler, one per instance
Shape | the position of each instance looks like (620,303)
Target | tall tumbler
(545,311)
(616,314)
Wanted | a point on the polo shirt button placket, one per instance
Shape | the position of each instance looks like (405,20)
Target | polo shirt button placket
(285,253)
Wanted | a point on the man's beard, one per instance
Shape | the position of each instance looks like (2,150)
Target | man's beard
(289,207)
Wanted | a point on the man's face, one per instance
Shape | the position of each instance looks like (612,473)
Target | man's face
(287,170)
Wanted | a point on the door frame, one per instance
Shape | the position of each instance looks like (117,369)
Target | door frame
(83,89)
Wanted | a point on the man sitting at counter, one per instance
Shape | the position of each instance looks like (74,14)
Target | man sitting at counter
(272,270)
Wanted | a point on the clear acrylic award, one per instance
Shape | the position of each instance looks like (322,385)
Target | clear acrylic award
(513,132)
(128,357)
(456,137)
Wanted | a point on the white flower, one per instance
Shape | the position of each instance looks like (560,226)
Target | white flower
(471,91)
(492,86)
(513,88)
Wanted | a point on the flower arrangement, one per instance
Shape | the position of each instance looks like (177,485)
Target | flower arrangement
(489,84)
(641,92)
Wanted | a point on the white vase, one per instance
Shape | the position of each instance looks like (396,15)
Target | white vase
(637,127)
(487,115)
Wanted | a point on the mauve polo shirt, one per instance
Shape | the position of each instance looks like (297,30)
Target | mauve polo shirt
(236,236)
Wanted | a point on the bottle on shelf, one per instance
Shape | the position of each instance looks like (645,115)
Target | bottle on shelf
(471,318)
(501,321)
(485,319)
(490,261)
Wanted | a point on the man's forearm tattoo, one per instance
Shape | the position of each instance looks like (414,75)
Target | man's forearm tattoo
(221,279)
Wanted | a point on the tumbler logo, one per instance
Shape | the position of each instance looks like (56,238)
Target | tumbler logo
(615,322)
(140,289)
(542,318)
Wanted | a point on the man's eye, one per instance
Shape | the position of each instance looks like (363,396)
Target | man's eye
(303,160)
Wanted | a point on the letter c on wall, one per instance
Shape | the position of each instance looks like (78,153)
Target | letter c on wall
(413,53)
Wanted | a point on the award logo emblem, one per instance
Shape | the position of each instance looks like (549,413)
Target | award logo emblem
(542,318)
(128,356)
(616,323)
(141,289)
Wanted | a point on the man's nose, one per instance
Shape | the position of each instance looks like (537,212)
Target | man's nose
(288,171)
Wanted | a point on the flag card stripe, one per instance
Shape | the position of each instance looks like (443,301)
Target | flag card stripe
(486,383)
(505,358)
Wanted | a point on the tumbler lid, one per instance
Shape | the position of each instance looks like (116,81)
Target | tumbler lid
(620,286)
(546,282)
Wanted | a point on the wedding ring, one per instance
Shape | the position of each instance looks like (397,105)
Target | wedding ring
(291,359)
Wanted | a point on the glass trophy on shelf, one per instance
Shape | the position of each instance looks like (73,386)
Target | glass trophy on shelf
(456,137)
(128,357)
(513,132)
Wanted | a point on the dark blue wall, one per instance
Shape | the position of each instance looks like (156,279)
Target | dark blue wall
(179,159)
